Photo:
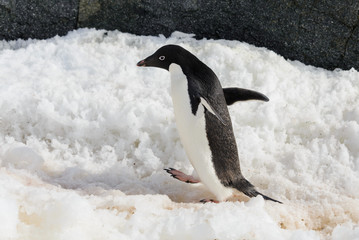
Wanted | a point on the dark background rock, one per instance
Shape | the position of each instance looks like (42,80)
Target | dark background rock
(37,18)
(323,33)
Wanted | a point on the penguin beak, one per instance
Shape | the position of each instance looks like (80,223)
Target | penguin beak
(141,63)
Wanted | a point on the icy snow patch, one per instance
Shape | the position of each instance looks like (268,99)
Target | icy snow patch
(85,135)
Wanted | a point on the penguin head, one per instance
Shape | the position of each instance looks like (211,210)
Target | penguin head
(164,57)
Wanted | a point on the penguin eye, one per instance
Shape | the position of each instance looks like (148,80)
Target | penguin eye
(162,58)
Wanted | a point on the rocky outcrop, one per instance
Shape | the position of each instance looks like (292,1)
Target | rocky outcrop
(37,19)
(322,33)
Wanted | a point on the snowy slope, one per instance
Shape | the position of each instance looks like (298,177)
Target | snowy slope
(85,135)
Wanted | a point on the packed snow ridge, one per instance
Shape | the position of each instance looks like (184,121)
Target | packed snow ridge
(85,136)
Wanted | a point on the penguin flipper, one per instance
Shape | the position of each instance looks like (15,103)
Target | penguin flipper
(233,95)
(207,96)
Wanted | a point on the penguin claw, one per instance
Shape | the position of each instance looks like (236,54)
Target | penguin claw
(181,176)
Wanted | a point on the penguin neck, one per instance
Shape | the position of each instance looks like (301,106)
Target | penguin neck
(175,68)
(178,80)
(177,74)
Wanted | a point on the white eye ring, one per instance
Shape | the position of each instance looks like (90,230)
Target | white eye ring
(162,58)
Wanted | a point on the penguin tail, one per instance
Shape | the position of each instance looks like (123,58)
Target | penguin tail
(268,198)
(248,189)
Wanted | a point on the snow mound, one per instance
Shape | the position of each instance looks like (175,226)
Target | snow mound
(85,136)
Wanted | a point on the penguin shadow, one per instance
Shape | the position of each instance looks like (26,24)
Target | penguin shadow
(114,182)
(125,184)
(121,183)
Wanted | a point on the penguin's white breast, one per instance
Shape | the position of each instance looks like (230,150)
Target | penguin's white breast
(192,132)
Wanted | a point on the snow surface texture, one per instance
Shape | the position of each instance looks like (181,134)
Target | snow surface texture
(85,136)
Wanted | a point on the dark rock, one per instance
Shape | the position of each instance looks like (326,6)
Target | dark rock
(36,19)
(351,54)
(322,33)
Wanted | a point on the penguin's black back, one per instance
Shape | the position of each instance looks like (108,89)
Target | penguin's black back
(202,80)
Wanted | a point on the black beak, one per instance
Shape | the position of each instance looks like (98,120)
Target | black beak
(141,63)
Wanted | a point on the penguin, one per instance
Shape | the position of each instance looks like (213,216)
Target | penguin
(203,122)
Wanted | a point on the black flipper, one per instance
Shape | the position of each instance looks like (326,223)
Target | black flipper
(201,94)
(233,95)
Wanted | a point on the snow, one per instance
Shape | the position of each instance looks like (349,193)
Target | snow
(85,136)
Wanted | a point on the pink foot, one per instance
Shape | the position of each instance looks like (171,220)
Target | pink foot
(181,176)
(208,200)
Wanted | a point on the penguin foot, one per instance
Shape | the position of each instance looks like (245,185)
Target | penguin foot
(181,176)
(208,200)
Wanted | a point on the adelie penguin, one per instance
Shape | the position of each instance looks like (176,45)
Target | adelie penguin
(203,122)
